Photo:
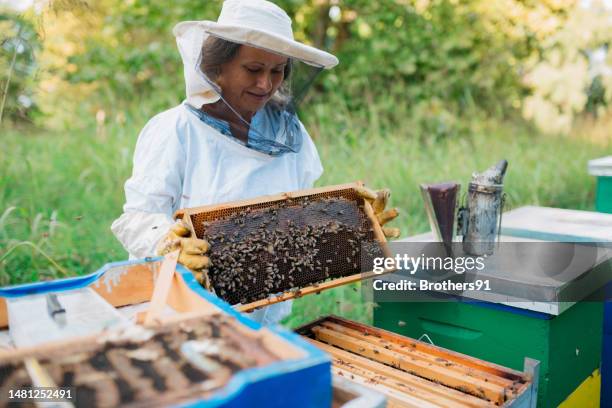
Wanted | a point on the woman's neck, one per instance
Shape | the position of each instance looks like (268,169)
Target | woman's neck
(220,110)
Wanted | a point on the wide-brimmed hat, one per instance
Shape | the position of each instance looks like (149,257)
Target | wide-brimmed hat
(257,23)
(261,24)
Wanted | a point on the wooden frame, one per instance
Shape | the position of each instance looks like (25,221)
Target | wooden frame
(282,349)
(187,214)
(410,372)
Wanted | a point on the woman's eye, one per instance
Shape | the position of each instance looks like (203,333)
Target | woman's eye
(252,70)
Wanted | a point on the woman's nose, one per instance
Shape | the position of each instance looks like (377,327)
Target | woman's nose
(264,82)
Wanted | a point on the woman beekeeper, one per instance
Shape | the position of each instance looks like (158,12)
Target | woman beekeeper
(235,137)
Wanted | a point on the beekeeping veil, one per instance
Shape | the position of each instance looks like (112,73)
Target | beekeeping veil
(274,129)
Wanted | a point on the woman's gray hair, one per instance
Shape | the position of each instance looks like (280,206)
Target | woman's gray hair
(217,51)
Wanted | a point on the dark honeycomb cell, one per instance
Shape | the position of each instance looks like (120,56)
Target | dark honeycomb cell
(278,246)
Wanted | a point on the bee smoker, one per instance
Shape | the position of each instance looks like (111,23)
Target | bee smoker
(479,219)
(440,204)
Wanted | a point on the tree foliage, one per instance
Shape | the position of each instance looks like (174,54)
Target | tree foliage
(18,43)
(442,59)
(573,75)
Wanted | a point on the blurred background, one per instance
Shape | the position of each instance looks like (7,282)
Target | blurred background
(426,91)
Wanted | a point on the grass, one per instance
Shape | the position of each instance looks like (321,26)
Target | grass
(61,191)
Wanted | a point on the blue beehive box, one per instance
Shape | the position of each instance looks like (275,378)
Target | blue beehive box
(606,354)
(301,377)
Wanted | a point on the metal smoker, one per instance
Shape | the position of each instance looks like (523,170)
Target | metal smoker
(478,219)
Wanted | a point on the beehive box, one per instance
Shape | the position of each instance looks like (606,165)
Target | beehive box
(289,245)
(412,373)
(602,169)
(202,352)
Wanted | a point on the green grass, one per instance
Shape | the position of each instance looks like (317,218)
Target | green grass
(61,191)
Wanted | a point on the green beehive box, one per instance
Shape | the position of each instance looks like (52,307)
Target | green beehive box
(565,337)
(568,346)
(602,169)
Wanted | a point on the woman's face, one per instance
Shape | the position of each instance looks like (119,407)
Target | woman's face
(250,79)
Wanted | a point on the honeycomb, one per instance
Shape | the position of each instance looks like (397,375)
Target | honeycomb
(272,247)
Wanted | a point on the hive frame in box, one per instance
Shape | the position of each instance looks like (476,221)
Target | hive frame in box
(187,215)
(369,356)
(303,373)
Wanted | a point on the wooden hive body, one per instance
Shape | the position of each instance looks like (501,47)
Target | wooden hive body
(412,373)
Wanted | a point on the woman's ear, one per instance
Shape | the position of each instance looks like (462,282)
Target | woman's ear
(219,79)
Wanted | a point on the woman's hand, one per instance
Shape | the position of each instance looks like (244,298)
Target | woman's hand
(192,253)
(378,200)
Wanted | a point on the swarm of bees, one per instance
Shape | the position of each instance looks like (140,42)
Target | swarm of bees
(176,363)
(256,252)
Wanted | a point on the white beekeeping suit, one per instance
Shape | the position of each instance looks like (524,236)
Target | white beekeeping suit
(182,161)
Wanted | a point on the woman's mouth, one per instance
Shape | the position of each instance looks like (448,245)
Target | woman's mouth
(258,97)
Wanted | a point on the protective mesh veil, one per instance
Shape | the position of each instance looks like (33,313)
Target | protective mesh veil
(274,129)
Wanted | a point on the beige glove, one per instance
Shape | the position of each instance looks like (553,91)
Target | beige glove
(192,253)
(378,200)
